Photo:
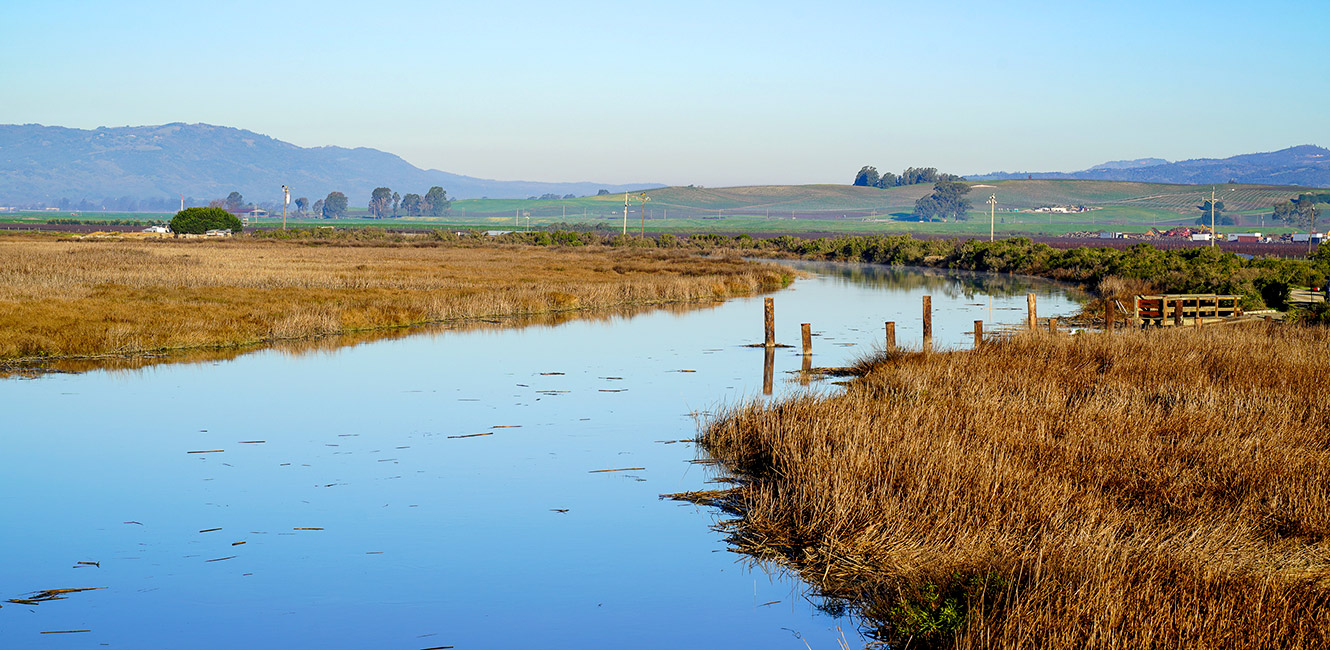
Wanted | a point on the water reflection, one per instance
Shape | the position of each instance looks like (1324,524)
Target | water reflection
(449,475)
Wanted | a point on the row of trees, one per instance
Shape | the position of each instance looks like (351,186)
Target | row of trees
(1301,211)
(947,201)
(869,177)
(384,202)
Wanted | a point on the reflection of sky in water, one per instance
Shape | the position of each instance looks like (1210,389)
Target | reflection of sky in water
(427,540)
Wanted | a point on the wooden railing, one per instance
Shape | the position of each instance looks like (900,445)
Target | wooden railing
(1184,309)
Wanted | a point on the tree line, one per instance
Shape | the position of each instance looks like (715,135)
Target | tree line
(868,176)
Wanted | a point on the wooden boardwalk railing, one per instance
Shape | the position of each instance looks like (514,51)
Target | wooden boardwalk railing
(1184,309)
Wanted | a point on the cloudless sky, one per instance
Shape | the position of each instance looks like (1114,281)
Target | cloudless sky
(711,93)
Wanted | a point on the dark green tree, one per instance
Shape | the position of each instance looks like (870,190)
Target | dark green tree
(196,221)
(436,201)
(887,179)
(947,201)
(413,205)
(302,204)
(234,202)
(380,202)
(334,206)
(867,177)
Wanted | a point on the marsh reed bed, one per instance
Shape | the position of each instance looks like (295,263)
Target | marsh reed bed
(63,297)
(1137,490)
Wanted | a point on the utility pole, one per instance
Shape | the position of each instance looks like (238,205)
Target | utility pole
(286,200)
(644,199)
(1212,220)
(992,214)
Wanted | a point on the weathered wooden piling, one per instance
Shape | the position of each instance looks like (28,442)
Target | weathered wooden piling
(1053,325)
(891,336)
(768,369)
(928,323)
(806,370)
(1032,315)
(770,319)
(808,338)
(979,333)
(1177,312)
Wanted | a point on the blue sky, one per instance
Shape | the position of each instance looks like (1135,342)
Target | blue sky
(691,92)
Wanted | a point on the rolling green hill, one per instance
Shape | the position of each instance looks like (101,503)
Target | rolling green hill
(1117,205)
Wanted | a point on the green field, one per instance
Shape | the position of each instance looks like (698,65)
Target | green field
(1122,206)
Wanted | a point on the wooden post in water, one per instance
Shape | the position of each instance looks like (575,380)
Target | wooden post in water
(768,369)
(1177,312)
(891,336)
(808,338)
(1108,316)
(928,323)
(979,333)
(770,322)
(1032,317)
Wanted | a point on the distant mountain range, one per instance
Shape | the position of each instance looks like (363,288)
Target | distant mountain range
(1306,165)
(152,166)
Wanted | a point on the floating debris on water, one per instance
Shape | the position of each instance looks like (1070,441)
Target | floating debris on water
(306,529)
(134,522)
(65,631)
(48,595)
(546,374)
(252,442)
(209,530)
(96,564)
(206,451)
(685,371)
(236,543)
(506,426)
(558,510)
(474,435)
(613,390)
(229,557)
(617,469)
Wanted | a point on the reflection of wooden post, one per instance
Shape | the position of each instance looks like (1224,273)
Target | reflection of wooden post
(891,336)
(808,338)
(771,322)
(1053,325)
(979,333)
(1177,312)
(768,369)
(806,370)
(928,323)
(1108,316)
(1032,317)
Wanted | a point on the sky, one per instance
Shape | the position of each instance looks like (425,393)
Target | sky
(706,93)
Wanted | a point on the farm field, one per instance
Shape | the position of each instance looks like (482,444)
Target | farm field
(1125,206)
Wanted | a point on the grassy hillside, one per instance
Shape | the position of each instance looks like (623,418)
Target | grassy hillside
(1118,205)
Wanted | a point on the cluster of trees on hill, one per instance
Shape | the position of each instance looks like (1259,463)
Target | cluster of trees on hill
(1302,211)
(384,202)
(946,202)
(869,177)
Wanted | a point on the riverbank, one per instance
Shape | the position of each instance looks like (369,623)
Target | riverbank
(63,297)
(1146,489)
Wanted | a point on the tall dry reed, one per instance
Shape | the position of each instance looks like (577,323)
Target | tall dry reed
(62,297)
(1144,490)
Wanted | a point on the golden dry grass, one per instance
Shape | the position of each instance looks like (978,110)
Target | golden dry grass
(1144,490)
(62,297)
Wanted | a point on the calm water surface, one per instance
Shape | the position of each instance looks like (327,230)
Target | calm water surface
(419,537)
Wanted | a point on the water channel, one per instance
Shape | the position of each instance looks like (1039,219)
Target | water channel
(342,499)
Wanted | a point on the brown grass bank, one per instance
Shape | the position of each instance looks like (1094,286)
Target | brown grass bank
(1145,490)
(62,297)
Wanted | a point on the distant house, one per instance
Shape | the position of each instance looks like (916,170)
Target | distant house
(162,229)
(251,212)
(224,232)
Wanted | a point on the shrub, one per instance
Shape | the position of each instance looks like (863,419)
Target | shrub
(196,221)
